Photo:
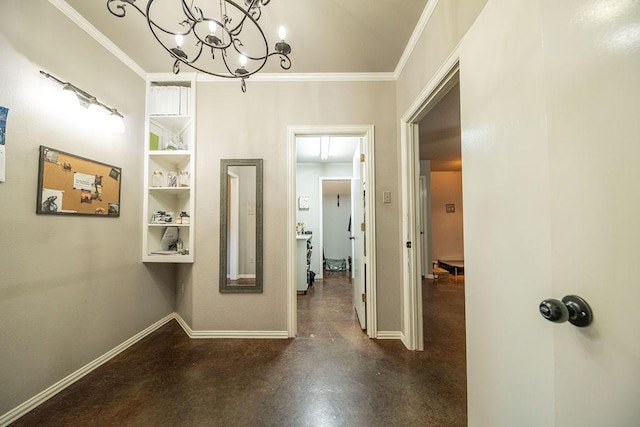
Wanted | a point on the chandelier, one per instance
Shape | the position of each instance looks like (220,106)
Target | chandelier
(210,41)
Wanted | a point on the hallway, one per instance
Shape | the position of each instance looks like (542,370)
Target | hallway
(331,375)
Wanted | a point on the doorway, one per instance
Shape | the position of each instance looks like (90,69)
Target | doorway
(363,231)
(418,158)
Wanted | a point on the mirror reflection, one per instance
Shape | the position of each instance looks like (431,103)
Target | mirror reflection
(241,225)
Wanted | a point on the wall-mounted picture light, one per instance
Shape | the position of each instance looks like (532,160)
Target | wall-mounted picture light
(89,101)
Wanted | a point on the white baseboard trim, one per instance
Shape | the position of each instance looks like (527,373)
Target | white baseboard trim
(230,334)
(389,335)
(56,388)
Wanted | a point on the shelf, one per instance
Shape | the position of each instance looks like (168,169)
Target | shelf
(168,258)
(184,155)
(174,190)
(161,130)
(171,121)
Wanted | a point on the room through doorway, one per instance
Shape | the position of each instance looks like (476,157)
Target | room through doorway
(324,180)
(333,246)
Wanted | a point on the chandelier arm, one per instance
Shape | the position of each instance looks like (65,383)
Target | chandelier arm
(285,61)
(186,10)
(245,14)
(253,58)
(121,8)
(152,23)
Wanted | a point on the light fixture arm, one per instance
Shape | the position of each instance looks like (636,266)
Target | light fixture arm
(83,96)
(193,27)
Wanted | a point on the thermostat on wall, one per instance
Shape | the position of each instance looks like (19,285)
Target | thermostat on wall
(303,202)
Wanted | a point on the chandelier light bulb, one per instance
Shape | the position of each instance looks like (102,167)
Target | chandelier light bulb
(243,61)
(179,40)
(282,32)
(212,27)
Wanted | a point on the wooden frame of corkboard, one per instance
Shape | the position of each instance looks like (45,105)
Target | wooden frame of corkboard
(73,185)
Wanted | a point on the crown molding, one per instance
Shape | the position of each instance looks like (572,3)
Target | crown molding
(81,22)
(415,36)
(304,77)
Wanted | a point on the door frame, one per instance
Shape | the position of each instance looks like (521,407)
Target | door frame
(443,80)
(366,132)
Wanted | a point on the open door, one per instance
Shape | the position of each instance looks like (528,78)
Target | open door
(551,178)
(358,225)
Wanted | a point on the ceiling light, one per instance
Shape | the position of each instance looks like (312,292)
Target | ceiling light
(325,141)
(207,40)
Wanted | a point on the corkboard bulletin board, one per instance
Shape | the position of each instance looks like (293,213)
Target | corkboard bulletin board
(72,185)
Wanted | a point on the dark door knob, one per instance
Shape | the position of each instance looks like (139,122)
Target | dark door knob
(571,308)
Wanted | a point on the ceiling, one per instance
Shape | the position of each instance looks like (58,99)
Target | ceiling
(341,149)
(328,36)
(440,133)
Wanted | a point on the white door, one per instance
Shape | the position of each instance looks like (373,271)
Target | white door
(550,96)
(358,238)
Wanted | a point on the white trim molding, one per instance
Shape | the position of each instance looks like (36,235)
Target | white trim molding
(415,36)
(56,388)
(229,334)
(304,77)
(390,335)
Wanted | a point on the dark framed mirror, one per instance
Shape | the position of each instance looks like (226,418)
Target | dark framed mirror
(241,225)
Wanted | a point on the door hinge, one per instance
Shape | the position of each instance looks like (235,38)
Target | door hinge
(363,227)
(408,245)
(364,297)
(362,157)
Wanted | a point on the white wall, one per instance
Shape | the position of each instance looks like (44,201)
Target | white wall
(446,228)
(72,288)
(308,184)
(335,219)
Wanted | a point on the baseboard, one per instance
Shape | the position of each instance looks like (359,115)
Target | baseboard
(56,388)
(390,335)
(230,334)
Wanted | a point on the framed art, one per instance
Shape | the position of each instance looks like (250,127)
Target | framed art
(303,202)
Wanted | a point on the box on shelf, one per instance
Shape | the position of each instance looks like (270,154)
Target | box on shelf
(169,100)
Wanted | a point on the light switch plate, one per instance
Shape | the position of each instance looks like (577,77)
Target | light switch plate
(386,197)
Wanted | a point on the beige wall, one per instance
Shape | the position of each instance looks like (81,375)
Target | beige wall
(72,288)
(448,24)
(446,228)
(254,125)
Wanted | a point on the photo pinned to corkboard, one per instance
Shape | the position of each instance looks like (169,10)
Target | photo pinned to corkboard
(73,185)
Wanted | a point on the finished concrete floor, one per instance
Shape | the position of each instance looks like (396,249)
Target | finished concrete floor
(330,375)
